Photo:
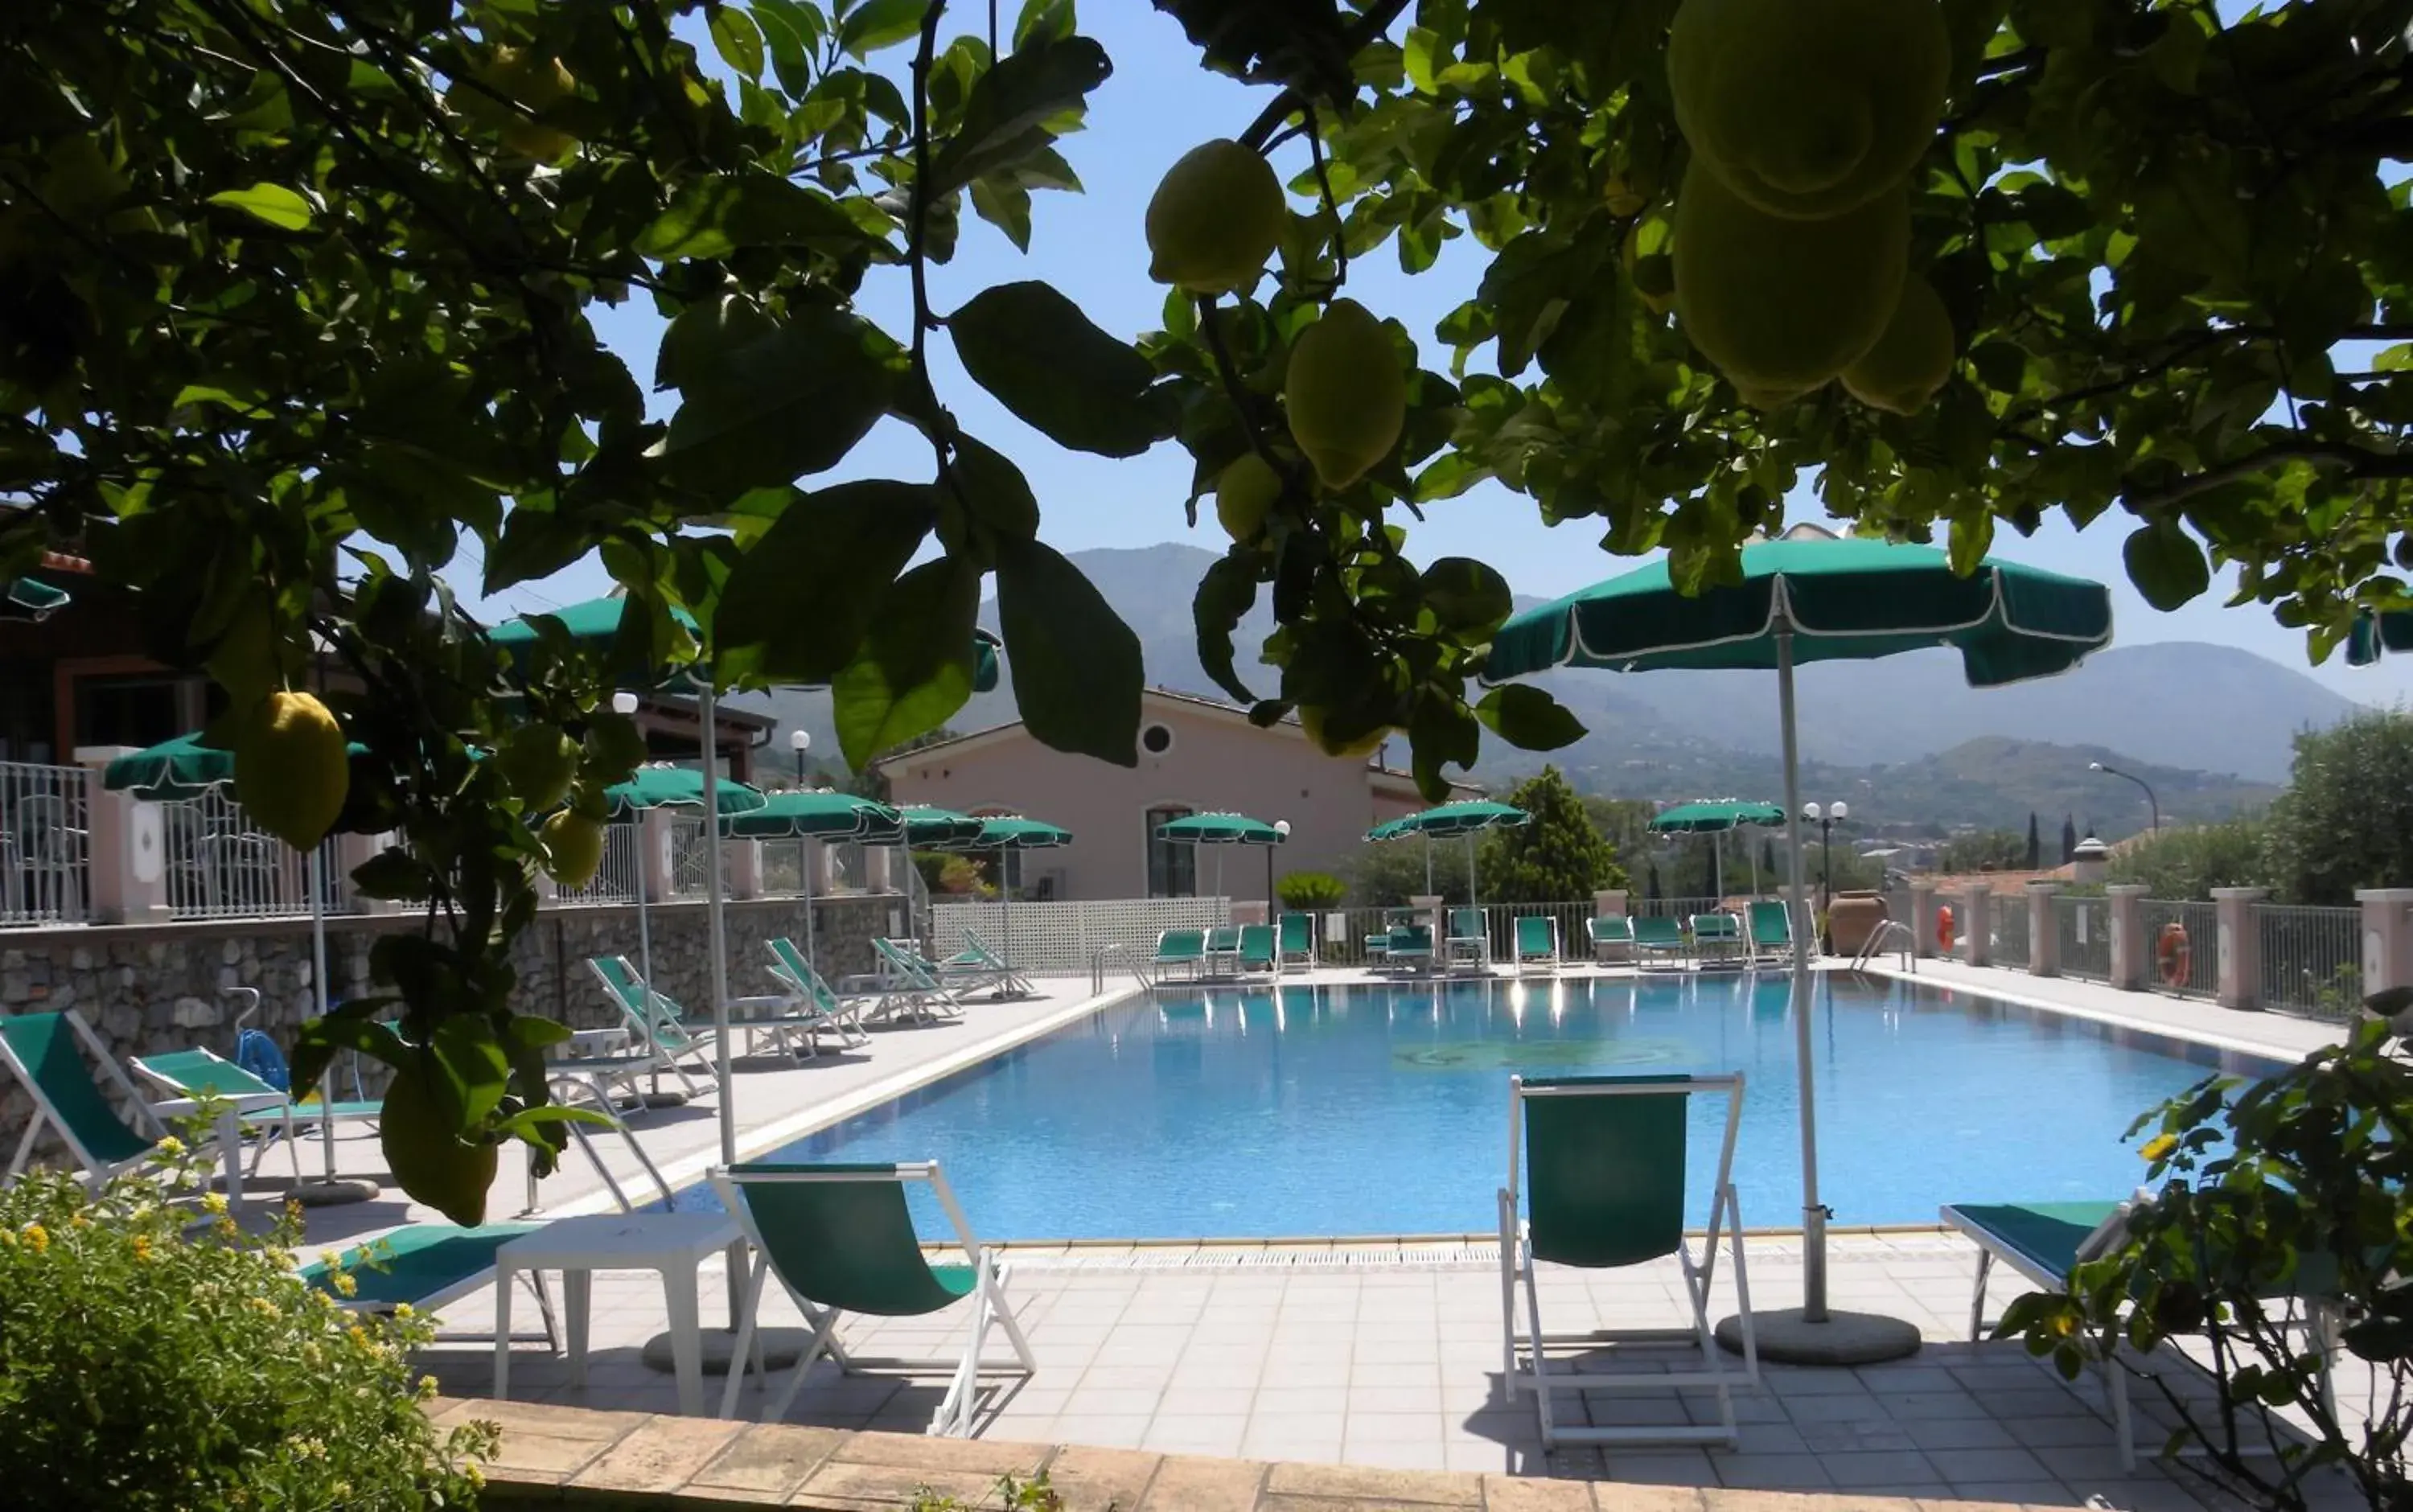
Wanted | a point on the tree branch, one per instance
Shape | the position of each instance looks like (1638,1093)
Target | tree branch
(1373,23)
(2358,462)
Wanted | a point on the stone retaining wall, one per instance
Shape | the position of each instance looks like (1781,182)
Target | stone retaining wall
(150,987)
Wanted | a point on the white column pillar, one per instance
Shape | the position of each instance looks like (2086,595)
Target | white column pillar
(1608,903)
(1977,922)
(2387,937)
(126,855)
(1922,919)
(2239,945)
(654,851)
(2044,930)
(745,867)
(2132,954)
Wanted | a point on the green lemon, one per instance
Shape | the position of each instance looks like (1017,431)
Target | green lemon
(292,772)
(539,762)
(1245,492)
(1911,359)
(1345,393)
(1214,219)
(573,847)
(426,1153)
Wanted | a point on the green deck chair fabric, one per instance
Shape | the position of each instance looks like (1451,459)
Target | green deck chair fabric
(788,963)
(1467,924)
(45,1045)
(1771,927)
(1256,945)
(1176,947)
(1715,927)
(414,1263)
(1653,932)
(1410,940)
(1615,930)
(849,1245)
(199,1072)
(1536,938)
(2045,1234)
(1298,935)
(1605,1176)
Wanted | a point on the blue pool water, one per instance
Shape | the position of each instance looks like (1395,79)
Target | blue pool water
(1364,1110)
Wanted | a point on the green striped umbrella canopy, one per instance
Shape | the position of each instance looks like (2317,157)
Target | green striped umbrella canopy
(931,828)
(1812,595)
(787,816)
(1221,829)
(2390,630)
(1011,832)
(678,787)
(180,770)
(1451,819)
(30,598)
(1703,815)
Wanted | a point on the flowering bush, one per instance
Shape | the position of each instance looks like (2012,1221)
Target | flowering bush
(154,1355)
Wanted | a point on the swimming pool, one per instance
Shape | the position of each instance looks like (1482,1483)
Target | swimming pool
(1382,1109)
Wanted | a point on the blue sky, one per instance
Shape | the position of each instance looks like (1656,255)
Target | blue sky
(1158,105)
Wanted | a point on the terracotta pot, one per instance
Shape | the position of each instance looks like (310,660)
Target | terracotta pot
(1852,918)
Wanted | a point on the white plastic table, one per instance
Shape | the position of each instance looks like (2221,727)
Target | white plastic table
(674,1244)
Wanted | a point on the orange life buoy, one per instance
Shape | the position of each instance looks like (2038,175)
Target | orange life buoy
(2174,953)
(1944,929)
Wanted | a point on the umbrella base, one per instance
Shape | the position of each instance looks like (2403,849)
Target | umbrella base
(662,1099)
(1843,1339)
(332,1191)
(781,1347)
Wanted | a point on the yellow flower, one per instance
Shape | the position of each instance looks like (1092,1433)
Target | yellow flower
(470,1473)
(38,1239)
(358,1336)
(214,1203)
(404,1309)
(262,1305)
(345,1286)
(79,1220)
(2157,1146)
(172,1146)
(8,1238)
(427,1387)
(226,1229)
(341,1490)
(142,1246)
(331,1259)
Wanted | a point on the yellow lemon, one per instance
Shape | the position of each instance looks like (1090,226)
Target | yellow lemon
(1214,220)
(1245,492)
(1346,394)
(292,772)
(426,1153)
(1781,305)
(573,847)
(528,80)
(539,762)
(1808,108)
(1312,720)
(1911,359)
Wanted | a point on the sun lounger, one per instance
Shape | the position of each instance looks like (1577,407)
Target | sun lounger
(976,968)
(188,1077)
(48,1054)
(652,1016)
(1717,939)
(838,1010)
(1257,950)
(1771,931)
(1656,939)
(425,1266)
(1599,1163)
(1298,940)
(1537,941)
(913,985)
(1409,946)
(841,1240)
(1614,932)
(1179,950)
(1469,937)
(1222,950)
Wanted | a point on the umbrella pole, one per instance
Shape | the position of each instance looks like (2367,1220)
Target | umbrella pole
(326,1189)
(1718,864)
(1429,866)
(805,866)
(1813,1214)
(1473,901)
(716,929)
(645,954)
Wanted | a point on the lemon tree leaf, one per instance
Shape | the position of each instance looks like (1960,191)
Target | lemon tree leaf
(1043,359)
(1018,106)
(1528,717)
(769,409)
(1076,665)
(2166,565)
(801,598)
(916,664)
(271,203)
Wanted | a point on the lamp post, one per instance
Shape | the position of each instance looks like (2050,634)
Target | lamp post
(1281,828)
(1825,819)
(2151,801)
(800,741)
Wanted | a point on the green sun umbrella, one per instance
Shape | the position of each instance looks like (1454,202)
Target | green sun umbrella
(1228,829)
(679,787)
(1816,597)
(1468,819)
(803,816)
(1715,816)
(1000,834)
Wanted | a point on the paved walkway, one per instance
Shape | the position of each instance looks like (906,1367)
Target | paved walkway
(2155,1011)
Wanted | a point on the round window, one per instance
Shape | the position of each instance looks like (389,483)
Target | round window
(1156,739)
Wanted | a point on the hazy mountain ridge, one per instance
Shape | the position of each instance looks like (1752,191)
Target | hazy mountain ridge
(2176,713)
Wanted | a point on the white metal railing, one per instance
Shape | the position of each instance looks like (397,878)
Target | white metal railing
(222,866)
(2084,926)
(45,850)
(2009,945)
(615,879)
(691,854)
(2201,923)
(2312,959)
(849,868)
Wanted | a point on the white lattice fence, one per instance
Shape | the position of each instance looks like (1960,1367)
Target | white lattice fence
(1063,937)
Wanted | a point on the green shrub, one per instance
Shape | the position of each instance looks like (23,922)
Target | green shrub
(1308,890)
(152,1358)
(2192,860)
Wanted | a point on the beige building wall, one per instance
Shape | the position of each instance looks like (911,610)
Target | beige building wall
(1213,760)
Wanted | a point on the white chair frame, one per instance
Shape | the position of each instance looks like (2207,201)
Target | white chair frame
(145,1120)
(1517,1266)
(990,1307)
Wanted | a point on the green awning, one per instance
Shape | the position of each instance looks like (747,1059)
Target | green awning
(30,598)
(1845,599)
(1221,829)
(677,787)
(1706,814)
(180,770)
(783,816)
(931,828)
(1014,833)
(1451,819)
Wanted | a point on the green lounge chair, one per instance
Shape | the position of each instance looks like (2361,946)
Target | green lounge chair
(189,1077)
(1537,941)
(1771,931)
(914,985)
(1656,939)
(1468,939)
(41,1051)
(976,968)
(1257,952)
(426,1266)
(1182,950)
(1611,932)
(1224,950)
(1717,938)
(2044,1241)
(841,1240)
(650,1016)
(1409,946)
(1600,1160)
(818,1005)
(1298,940)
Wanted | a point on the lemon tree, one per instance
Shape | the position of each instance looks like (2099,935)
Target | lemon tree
(298,301)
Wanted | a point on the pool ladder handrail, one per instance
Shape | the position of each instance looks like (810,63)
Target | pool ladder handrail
(1114,953)
(1875,943)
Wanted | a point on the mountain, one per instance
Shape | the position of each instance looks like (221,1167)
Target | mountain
(2182,709)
